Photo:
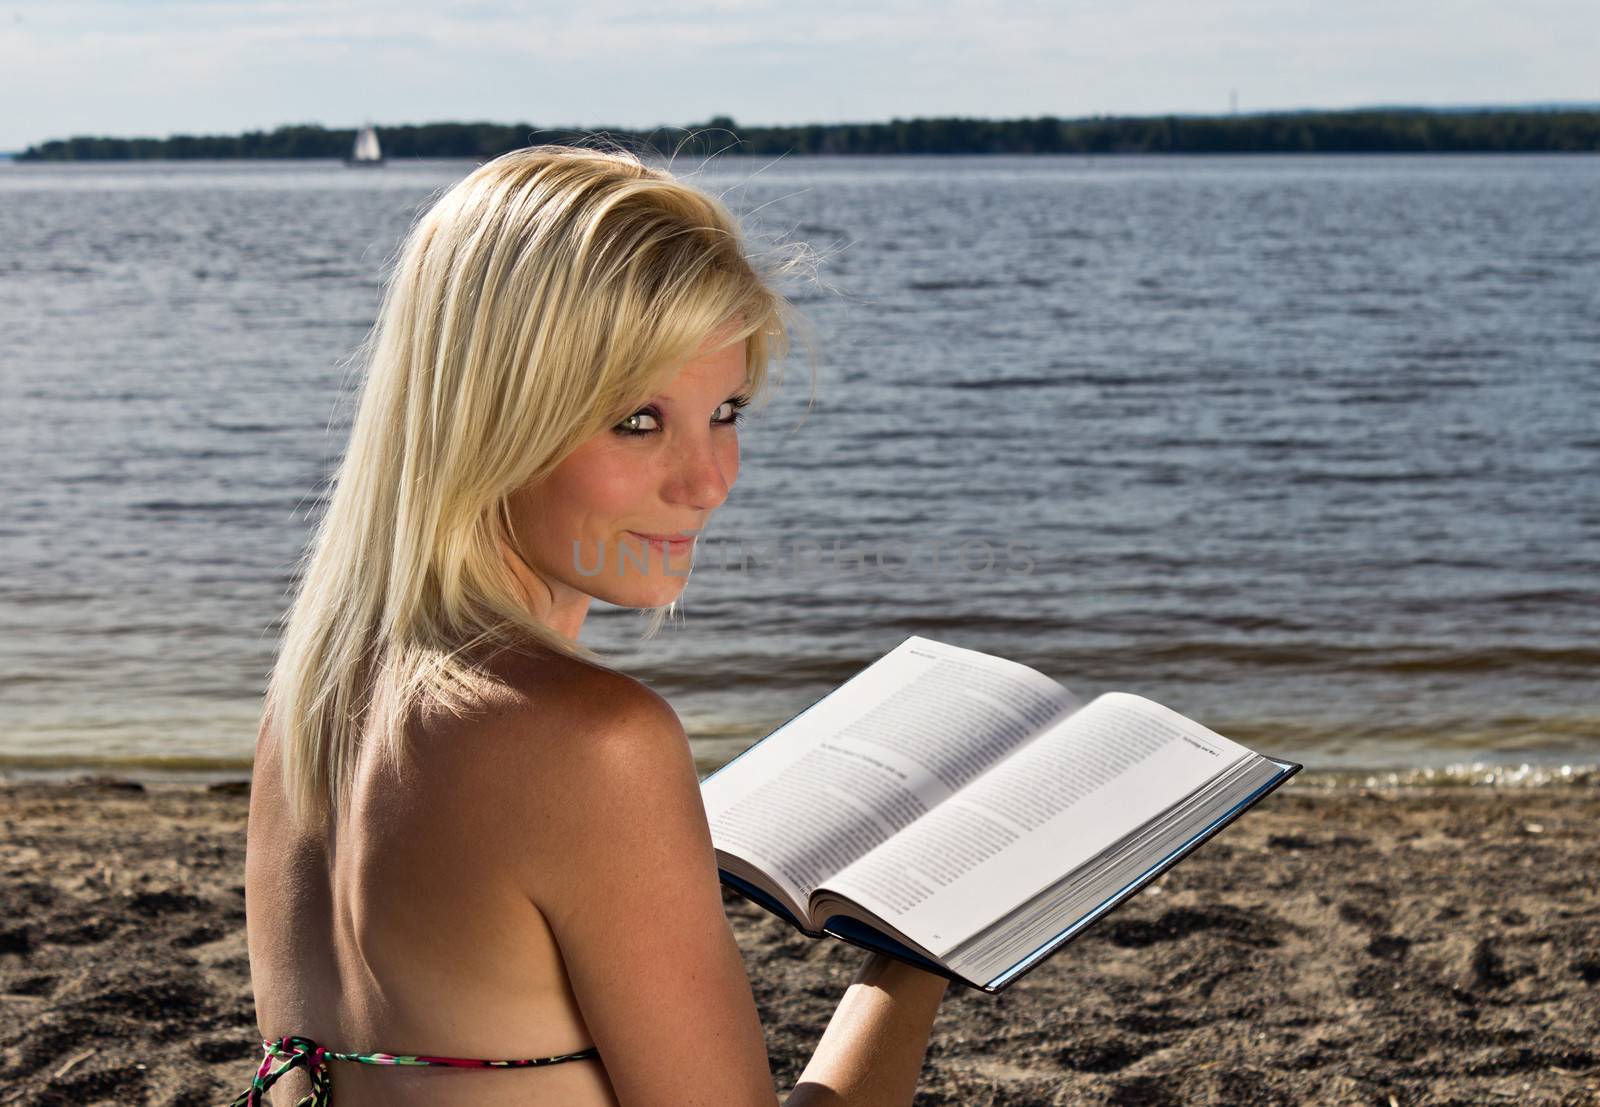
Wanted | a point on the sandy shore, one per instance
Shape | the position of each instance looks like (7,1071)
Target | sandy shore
(1330,948)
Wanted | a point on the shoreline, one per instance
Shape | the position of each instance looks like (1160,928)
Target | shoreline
(1554,771)
(1433,945)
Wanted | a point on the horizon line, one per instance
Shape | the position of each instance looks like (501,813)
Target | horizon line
(1531,106)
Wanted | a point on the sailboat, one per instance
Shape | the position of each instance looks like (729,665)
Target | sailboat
(366,151)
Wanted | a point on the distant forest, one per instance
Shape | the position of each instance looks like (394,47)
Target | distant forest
(1346,132)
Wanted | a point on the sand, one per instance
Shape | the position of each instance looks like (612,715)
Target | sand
(1332,947)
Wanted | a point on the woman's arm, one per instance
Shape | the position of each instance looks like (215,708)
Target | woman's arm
(873,1048)
(622,866)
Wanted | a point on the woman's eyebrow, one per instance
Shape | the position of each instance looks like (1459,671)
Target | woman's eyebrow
(661,400)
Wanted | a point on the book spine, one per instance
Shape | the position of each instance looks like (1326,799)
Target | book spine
(859,934)
(762,899)
(845,930)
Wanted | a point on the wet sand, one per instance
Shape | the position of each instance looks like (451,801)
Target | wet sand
(1347,947)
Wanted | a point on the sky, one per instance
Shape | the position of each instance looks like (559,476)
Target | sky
(160,67)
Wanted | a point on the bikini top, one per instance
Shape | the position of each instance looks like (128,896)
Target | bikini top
(294,1051)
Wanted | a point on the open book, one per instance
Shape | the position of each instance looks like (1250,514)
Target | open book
(968,814)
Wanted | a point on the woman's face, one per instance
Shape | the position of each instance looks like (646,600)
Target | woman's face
(583,531)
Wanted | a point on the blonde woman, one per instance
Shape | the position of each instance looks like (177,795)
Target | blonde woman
(474,850)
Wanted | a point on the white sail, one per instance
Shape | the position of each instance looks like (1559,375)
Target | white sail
(366,147)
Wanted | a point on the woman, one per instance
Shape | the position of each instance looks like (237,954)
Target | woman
(470,841)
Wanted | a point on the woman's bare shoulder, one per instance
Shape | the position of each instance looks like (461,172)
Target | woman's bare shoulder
(558,732)
(566,701)
(562,741)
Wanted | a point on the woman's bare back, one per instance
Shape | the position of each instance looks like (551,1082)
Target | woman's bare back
(410,928)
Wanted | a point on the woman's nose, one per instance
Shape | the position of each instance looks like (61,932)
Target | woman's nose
(705,473)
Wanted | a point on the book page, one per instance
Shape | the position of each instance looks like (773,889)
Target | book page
(1045,916)
(1085,783)
(873,756)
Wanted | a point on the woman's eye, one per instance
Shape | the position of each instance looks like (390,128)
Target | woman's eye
(733,416)
(631,424)
(648,420)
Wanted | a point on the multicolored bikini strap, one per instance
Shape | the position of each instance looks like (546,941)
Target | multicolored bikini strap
(294,1051)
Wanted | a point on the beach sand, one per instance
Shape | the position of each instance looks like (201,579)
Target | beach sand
(1332,947)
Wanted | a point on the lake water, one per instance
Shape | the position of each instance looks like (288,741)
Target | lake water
(1307,448)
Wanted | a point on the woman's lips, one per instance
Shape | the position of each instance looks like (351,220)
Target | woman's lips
(668,543)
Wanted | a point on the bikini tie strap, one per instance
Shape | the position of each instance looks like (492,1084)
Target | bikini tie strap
(294,1052)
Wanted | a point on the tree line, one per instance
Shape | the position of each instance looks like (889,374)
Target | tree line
(1325,132)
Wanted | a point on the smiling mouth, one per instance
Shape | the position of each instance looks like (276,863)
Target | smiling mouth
(672,541)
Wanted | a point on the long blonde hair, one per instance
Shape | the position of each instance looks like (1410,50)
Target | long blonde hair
(533,306)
